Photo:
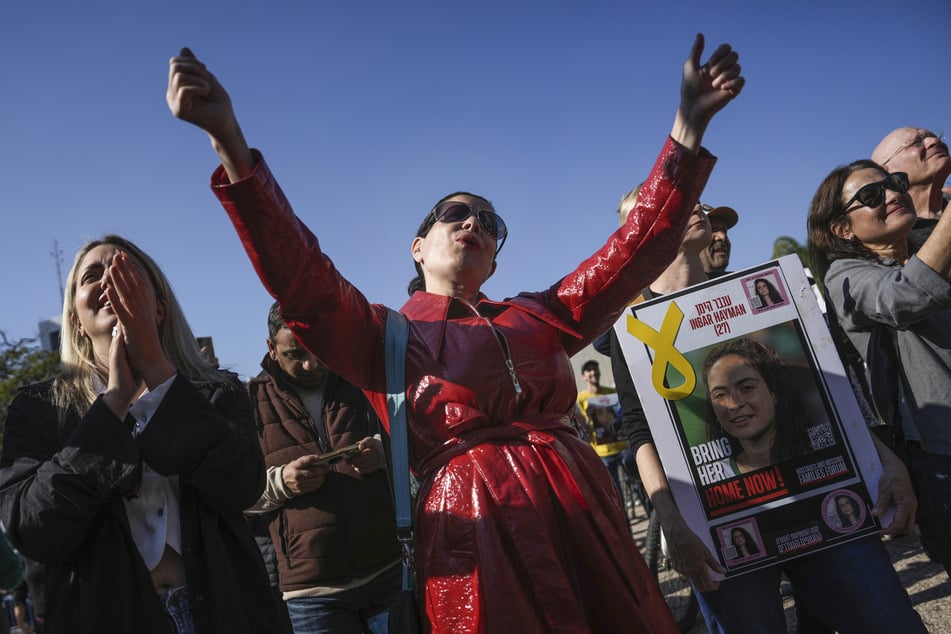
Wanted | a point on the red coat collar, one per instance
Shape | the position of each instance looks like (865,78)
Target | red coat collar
(434,310)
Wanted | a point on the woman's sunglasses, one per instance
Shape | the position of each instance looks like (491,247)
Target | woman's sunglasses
(873,194)
(491,222)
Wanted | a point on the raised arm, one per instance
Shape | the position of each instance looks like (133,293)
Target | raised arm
(591,297)
(195,95)
(283,251)
(936,251)
(704,90)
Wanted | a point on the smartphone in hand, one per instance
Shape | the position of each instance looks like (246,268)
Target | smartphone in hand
(335,456)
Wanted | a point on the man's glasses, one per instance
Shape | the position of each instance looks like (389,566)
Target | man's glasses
(705,208)
(457,211)
(873,194)
(918,140)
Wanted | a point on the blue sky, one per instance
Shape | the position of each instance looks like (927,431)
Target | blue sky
(369,112)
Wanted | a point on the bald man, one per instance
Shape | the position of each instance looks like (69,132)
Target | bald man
(923,155)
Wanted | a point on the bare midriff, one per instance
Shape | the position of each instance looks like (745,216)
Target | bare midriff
(170,571)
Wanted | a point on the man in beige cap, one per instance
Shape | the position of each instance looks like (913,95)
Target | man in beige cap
(716,257)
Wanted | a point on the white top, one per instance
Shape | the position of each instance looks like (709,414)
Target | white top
(153,516)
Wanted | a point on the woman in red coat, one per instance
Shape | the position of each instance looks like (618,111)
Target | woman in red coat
(518,525)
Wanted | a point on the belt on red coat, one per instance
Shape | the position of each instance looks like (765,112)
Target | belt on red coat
(537,430)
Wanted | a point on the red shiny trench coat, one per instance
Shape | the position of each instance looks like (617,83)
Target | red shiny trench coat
(518,525)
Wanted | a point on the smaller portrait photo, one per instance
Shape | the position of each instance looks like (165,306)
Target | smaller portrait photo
(765,291)
(741,542)
(843,511)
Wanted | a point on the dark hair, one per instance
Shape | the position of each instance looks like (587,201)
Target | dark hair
(828,209)
(418,283)
(274,321)
(751,546)
(590,363)
(792,440)
(774,295)
(845,520)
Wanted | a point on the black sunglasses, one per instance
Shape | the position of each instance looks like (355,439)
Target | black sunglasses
(457,211)
(873,194)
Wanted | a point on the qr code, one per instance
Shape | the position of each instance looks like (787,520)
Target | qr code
(729,552)
(821,436)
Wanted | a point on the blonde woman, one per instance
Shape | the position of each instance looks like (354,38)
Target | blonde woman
(126,475)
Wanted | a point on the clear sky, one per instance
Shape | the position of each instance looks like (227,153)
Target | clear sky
(369,112)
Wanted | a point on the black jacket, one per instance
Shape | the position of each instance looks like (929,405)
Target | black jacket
(62,480)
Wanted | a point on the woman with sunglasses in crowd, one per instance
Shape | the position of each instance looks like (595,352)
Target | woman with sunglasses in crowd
(518,526)
(895,308)
(126,476)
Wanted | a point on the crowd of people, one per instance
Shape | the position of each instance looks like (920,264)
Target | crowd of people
(152,491)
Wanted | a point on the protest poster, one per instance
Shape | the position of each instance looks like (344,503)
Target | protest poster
(762,439)
(603,418)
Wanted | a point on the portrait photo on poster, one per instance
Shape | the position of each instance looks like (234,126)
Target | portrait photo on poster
(741,542)
(844,511)
(758,426)
(765,290)
(603,419)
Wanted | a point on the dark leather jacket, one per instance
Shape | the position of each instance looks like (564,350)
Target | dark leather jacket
(346,528)
(62,481)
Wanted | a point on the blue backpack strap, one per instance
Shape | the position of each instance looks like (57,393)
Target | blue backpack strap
(397,334)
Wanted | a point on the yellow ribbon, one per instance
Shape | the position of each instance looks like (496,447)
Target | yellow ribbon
(665,354)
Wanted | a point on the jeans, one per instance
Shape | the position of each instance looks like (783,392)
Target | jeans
(851,587)
(931,474)
(612,463)
(179,610)
(354,611)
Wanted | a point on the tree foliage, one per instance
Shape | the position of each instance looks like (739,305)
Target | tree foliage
(785,245)
(22,362)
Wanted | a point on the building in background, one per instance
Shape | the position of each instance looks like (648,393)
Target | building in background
(49,333)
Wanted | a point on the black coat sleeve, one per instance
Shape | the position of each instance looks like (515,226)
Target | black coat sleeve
(50,489)
(634,425)
(206,435)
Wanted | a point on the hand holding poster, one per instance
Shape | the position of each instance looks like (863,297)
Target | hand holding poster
(761,437)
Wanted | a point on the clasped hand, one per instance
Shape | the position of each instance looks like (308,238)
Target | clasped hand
(135,353)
